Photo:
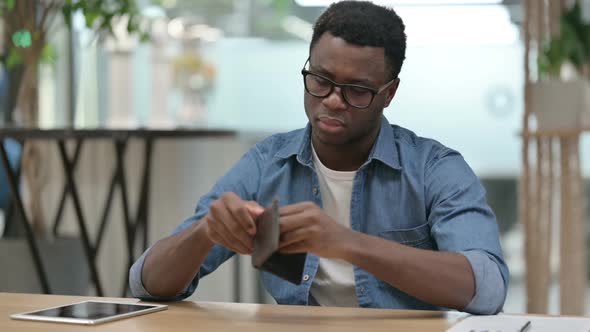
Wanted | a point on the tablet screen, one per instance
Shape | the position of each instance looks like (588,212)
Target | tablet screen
(89,312)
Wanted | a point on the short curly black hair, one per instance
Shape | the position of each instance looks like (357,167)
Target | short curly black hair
(366,24)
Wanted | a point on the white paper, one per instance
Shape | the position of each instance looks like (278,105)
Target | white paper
(514,323)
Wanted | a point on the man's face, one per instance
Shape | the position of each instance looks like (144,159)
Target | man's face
(333,120)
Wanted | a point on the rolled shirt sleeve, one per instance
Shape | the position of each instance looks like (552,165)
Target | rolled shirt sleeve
(461,221)
(135,282)
(490,291)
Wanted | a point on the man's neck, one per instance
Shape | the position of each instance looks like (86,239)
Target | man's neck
(347,157)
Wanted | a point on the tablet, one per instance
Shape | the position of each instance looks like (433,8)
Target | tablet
(89,312)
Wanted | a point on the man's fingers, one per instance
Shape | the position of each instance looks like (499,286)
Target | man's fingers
(239,212)
(237,236)
(254,208)
(292,222)
(242,216)
(232,232)
(292,237)
(229,213)
(295,208)
(222,239)
(295,248)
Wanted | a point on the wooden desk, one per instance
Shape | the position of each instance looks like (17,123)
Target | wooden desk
(203,316)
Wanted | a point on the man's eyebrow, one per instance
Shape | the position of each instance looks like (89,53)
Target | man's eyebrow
(324,72)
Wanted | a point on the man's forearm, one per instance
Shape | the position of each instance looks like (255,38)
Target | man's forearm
(440,278)
(173,262)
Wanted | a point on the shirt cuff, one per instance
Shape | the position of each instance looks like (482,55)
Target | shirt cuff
(490,291)
(135,282)
(138,289)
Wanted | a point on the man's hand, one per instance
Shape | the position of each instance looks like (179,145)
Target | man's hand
(231,222)
(307,228)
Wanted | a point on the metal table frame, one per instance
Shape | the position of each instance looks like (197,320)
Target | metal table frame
(134,226)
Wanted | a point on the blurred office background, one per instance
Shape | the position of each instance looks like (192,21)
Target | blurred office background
(235,64)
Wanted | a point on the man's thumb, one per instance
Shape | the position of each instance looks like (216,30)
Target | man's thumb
(254,208)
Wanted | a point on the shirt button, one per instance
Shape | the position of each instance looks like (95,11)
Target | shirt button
(306,277)
(315,191)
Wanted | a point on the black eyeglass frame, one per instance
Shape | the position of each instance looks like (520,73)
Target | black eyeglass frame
(373,91)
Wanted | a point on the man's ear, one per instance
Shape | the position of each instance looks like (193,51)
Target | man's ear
(391,90)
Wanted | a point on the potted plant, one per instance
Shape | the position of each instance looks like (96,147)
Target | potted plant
(561,97)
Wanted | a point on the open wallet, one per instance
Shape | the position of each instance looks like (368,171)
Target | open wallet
(265,255)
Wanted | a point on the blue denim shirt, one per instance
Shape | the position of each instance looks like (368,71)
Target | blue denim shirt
(410,190)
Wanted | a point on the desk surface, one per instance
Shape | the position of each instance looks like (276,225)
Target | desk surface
(209,316)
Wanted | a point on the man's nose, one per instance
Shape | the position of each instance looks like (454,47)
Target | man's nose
(335,100)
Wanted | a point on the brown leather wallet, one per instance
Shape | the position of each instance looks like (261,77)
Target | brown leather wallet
(266,243)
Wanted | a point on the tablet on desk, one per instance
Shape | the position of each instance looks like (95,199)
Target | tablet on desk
(89,312)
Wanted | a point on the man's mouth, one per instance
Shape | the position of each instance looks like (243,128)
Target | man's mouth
(331,121)
(330,124)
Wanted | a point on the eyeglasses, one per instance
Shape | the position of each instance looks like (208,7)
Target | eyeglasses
(357,96)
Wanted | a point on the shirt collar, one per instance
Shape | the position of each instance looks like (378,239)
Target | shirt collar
(384,149)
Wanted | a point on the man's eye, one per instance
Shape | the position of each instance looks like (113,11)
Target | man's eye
(357,91)
(320,81)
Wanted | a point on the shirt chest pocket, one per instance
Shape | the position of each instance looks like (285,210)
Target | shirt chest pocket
(417,237)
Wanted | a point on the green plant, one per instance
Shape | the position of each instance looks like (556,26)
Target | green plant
(28,24)
(572,45)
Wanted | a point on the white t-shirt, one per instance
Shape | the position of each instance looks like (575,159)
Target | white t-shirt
(333,284)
